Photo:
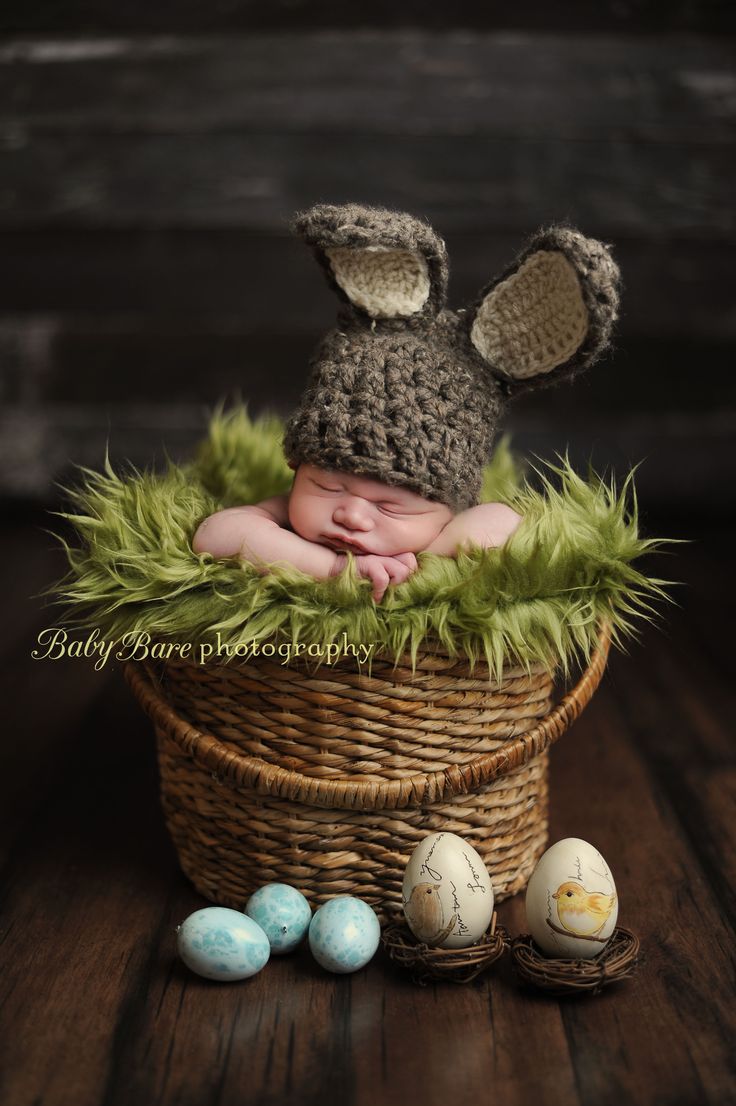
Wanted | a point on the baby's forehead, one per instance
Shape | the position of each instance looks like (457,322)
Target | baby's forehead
(365,485)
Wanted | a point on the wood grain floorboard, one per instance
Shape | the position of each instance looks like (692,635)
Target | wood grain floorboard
(671,1025)
(679,710)
(87,887)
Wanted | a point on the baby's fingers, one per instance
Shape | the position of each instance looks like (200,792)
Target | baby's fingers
(371,568)
(409,559)
(380,578)
(397,570)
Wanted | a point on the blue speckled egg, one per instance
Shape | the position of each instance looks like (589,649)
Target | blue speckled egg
(344,934)
(283,914)
(223,944)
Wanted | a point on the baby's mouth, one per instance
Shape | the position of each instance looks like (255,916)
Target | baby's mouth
(345,545)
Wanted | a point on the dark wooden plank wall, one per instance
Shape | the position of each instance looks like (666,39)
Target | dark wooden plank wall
(572,16)
(152,156)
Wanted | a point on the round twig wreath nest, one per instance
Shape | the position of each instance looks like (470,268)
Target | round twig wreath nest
(558,976)
(429,964)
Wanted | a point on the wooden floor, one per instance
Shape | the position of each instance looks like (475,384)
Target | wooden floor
(97,1009)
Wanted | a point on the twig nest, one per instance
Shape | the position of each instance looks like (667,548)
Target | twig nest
(453,965)
(559,976)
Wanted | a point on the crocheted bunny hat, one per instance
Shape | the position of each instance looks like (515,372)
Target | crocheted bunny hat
(408,392)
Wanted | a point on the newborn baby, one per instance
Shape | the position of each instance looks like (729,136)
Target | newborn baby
(329,513)
(402,384)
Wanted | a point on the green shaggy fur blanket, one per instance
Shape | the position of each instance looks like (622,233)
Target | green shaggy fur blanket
(540,597)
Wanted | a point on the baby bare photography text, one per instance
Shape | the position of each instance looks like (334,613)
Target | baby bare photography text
(54,643)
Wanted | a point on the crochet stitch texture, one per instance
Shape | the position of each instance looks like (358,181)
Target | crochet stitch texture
(409,392)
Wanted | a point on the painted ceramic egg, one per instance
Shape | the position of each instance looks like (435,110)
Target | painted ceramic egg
(448,895)
(283,914)
(344,934)
(571,901)
(222,944)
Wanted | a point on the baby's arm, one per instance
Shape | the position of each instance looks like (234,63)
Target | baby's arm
(488,524)
(257,534)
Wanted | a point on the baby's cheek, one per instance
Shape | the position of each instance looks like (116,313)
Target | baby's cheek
(301,517)
(419,533)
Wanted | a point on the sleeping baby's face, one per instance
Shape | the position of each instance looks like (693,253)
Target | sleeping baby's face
(362,515)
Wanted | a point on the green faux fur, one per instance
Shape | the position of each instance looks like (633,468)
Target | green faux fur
(540,597)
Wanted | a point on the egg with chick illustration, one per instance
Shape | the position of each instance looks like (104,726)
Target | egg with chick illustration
(571,901)
(447,892)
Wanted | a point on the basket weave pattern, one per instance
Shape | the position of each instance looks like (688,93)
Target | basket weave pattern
(327,779)
(388,725)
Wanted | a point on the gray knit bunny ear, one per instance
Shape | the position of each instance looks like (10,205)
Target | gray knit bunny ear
(386,264)
(550,315)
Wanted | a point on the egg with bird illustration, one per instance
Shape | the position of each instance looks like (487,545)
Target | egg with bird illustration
(447,892)
(571,901)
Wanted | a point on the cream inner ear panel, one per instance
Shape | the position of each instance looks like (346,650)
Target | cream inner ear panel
(533,321)
(383,282)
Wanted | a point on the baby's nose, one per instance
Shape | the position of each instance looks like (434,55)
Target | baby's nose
(354,514)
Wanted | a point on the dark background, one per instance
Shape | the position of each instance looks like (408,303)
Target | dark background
(152,156)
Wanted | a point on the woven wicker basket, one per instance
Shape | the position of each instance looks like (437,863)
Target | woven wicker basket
(328,779)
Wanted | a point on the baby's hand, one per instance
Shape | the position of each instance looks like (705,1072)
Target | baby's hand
(385,570)
(381,570)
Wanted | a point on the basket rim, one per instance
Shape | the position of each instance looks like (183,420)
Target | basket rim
(420,789)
